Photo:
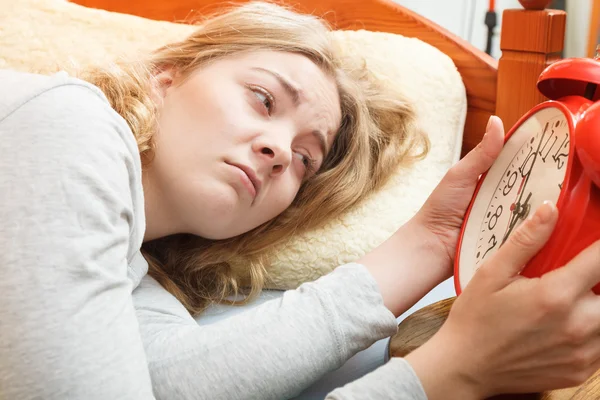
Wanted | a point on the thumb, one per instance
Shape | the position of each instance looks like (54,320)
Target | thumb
(481,158)
(524,243)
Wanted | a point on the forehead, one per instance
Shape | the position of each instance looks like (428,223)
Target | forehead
(319,96)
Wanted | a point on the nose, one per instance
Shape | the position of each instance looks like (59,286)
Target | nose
(274,154)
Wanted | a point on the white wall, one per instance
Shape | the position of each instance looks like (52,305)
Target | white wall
(578,23)
(478,39)
(454,15)
(465,18)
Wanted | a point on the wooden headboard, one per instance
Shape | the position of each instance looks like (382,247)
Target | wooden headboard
(530,40)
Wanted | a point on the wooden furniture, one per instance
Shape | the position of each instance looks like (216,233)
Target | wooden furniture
(531,39)
(594,31)
(505,88)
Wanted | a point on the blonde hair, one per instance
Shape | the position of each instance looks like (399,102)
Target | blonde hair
(377,134)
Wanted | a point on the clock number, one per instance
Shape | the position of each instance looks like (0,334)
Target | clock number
(510,184)
(526,162)
(546,144)
(559,158)
(494,218)
(492,242)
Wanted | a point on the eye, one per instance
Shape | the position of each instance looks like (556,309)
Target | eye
(308,162)
(265,97)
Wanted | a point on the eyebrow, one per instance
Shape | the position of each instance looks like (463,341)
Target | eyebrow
(294,93)
(289,88)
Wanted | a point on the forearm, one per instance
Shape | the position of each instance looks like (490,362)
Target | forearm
(394,380)
(402,283)
(270,352)
(439,367)
(407,266)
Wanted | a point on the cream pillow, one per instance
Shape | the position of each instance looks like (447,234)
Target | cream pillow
(39,35)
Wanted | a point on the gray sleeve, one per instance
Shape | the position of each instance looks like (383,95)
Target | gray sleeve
(395,380)
(272,351)
(67,324)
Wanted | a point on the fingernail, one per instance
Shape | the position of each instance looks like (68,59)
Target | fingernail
(487,128)
(486,137)
(544,213)
(483,140)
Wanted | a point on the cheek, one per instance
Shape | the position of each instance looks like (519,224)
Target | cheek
(225,113)
(206,98)
(199,122)
(203,107)
(282,194)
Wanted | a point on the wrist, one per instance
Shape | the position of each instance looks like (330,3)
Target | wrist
(407,266)
(427,249)
(442,242)
(444,371)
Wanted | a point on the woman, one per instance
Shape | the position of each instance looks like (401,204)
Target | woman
(248,131)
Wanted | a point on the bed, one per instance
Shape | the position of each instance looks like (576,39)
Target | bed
(531,39)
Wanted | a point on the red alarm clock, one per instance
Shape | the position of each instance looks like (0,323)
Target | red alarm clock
(552,153)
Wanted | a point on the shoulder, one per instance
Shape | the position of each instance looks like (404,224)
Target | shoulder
(60,101)
(63,130)
(22,87)
(62,117)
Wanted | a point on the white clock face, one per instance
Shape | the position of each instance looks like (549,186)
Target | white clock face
(530,169)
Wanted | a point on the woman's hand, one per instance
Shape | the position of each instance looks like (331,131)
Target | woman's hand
(444,211)
(420,254)
(507,333)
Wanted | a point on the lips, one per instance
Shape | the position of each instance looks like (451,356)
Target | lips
(251,175)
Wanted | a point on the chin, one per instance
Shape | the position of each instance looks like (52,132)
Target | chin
(217,224)
(220,214)
(218,234)
(227,228)
(211,217)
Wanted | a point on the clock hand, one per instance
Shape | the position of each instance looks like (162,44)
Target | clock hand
(517,208)
(535,156)
(525,207)
(523,211)
(521,186)
(514,207)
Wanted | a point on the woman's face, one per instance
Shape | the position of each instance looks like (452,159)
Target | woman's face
(235,141)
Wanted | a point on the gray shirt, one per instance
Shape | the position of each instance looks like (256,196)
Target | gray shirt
(81,319)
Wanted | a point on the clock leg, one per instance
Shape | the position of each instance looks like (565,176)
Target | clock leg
(419,327)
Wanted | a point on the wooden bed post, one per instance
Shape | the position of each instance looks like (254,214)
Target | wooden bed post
(594,31)
(530,41)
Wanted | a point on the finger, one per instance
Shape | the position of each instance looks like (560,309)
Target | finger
(585,318)
(582,325)
(593,371)
(582,360)
(582,273)
(524,242)
(481,158)
(575,364)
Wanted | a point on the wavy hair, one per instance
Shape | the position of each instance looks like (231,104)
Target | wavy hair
(377,134)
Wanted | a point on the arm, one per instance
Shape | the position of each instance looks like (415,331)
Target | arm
(394,380)
(281,347)
(67,323)
(290,341)
(270,352)
(407,266)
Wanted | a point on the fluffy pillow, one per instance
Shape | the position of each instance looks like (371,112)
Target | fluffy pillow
(40,35)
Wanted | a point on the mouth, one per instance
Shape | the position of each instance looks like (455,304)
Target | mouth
(250,176)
